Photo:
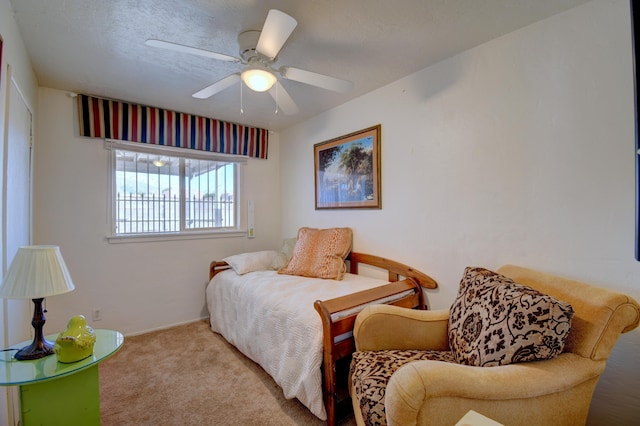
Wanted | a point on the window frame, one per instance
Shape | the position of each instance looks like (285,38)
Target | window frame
(113,145)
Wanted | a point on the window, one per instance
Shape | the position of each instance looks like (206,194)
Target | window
(156,191)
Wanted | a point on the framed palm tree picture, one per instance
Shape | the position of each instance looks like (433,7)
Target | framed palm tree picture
(347,171)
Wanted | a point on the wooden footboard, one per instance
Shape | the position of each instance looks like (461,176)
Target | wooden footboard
(338,317)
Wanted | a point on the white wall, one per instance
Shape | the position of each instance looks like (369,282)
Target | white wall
(14,314)
(138,286)
(518,151)
(17,67)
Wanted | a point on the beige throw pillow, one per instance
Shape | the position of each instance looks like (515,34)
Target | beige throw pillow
(320,253)
(285,254)
(250,262)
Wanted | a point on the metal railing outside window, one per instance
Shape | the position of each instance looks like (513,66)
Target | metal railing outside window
(159,194)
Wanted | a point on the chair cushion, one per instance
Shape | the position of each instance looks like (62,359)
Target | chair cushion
(371,371)
(495,321)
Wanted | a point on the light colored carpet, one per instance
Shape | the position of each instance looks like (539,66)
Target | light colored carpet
(188,375)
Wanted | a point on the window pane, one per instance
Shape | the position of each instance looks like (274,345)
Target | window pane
(149,197)
(209,194)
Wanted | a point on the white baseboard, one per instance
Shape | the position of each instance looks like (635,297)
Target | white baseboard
(164,327)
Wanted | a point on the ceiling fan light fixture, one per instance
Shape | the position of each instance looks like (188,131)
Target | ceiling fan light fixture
(258,78)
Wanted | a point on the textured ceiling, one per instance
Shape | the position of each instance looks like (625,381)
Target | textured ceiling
(97,47)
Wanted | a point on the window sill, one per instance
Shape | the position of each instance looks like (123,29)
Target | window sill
(147,238)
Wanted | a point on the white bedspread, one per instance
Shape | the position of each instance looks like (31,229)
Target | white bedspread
(271,319)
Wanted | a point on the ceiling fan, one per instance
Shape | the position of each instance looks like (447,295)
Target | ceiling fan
(258,52)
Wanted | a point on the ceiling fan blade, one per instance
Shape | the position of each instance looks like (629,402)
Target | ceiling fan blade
(191,50)
(315,79)
(283,100)
(218,86)
(275,32)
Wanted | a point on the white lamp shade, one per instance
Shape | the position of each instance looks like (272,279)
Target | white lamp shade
(36,272)
(258,78)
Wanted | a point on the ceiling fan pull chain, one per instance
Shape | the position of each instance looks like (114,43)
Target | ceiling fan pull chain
(241,109)
(277,98)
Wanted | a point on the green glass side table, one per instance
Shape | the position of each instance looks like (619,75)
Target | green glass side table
(53,393)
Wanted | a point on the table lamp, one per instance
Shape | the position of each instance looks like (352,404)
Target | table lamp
(35,273)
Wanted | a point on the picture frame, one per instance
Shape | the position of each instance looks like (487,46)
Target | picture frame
(635,40)
(347,171)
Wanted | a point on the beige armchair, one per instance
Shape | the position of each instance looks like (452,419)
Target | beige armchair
(556,391)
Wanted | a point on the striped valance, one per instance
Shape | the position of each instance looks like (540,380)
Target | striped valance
(109,119)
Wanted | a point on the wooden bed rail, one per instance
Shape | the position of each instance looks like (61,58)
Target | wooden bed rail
(396,269)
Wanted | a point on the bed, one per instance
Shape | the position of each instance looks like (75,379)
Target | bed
(270,318)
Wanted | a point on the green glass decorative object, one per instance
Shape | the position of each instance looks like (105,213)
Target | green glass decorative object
(76,342)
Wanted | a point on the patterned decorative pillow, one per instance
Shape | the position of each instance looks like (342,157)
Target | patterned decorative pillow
(320,253)
(495,321)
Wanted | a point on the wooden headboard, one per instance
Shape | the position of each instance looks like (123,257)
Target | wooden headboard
(395,269)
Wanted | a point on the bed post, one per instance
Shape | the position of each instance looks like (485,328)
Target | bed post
(337,337)
(328,365)
(217,266)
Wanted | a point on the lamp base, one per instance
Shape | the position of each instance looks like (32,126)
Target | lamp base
(35,350)
(40,347)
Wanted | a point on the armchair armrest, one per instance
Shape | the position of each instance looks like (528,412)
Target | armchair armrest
(432,392)
(380,327)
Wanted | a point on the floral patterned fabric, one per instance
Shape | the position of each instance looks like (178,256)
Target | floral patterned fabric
(495,321)
(371,371)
